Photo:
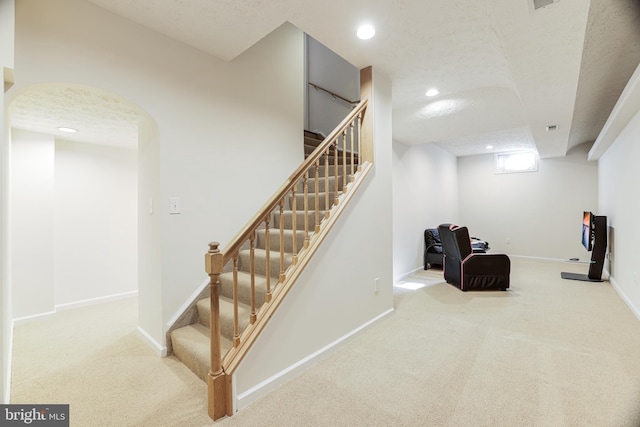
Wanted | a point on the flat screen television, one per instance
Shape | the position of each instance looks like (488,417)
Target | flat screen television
(588,230)
(594,239)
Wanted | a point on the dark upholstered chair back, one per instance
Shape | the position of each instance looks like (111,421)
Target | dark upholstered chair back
(456,242)
(456,246)
(468,270)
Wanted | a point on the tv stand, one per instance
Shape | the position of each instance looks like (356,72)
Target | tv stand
(597,255)
(578,276)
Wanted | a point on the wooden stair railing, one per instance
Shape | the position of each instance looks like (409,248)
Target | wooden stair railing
(333,160)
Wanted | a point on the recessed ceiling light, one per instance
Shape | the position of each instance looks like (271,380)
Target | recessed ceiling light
(432,92)
(365,32)
(489,147)
(68,130)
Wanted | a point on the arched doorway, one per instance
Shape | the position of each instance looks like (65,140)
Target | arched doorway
(73,197)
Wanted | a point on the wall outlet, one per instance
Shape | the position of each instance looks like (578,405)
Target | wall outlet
(376,285)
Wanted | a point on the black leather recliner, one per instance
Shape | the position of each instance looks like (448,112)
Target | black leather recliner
(432,248)
(468,270)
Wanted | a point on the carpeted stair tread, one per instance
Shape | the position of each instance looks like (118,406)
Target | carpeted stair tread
(322,171)
(226,315)
(191,345)
(244,287)
(309,147)
(260,260)
(312,142)
(322,183)
(322,202)
(288,215)
(274,238)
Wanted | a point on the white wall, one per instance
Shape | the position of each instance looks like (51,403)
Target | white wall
(334,295)
(329,70)
(149,233)
(539,212)
(74,212)
(5,296)
(219,125)
(7,8)
(7,28)
(32,207)
(425,194)
(619,176)
(95,222)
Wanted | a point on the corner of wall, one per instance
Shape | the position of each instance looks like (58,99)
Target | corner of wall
(7,42)
(159,349)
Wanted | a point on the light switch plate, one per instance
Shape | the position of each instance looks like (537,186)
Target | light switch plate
(174,205)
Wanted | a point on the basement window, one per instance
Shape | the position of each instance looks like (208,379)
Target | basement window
(521,161)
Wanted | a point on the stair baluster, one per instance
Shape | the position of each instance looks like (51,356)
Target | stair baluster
(267,249)
(360,156)
(236,327)
(306,209)
(282,276)
(294,239)
(336,167)
(344,160)
(317,196)
(353,154)
(326,182)
(252,273)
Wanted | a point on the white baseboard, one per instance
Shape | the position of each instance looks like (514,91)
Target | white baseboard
(270,384)
(73,305)
(32,318)
(624,297)
(8,366)
(158,348)
(535,258)
(405,275)
(99,300)
(187,303)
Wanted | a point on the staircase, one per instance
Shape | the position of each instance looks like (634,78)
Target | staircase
(191,343)
(250,277)
(312,140)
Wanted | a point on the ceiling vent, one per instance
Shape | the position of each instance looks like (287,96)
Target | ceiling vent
(539,4)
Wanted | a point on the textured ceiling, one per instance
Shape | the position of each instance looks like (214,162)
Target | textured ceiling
(504,70)
(103,118)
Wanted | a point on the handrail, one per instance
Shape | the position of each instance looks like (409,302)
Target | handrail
(335,95)
(271,204)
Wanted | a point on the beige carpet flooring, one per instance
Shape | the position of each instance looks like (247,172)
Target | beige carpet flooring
(549,352)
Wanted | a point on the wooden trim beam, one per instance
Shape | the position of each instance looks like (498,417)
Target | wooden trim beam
(366,93)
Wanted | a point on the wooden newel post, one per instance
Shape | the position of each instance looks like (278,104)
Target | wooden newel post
(217,380)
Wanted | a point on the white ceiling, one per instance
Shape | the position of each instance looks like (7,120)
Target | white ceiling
(504,70)
(102,117)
